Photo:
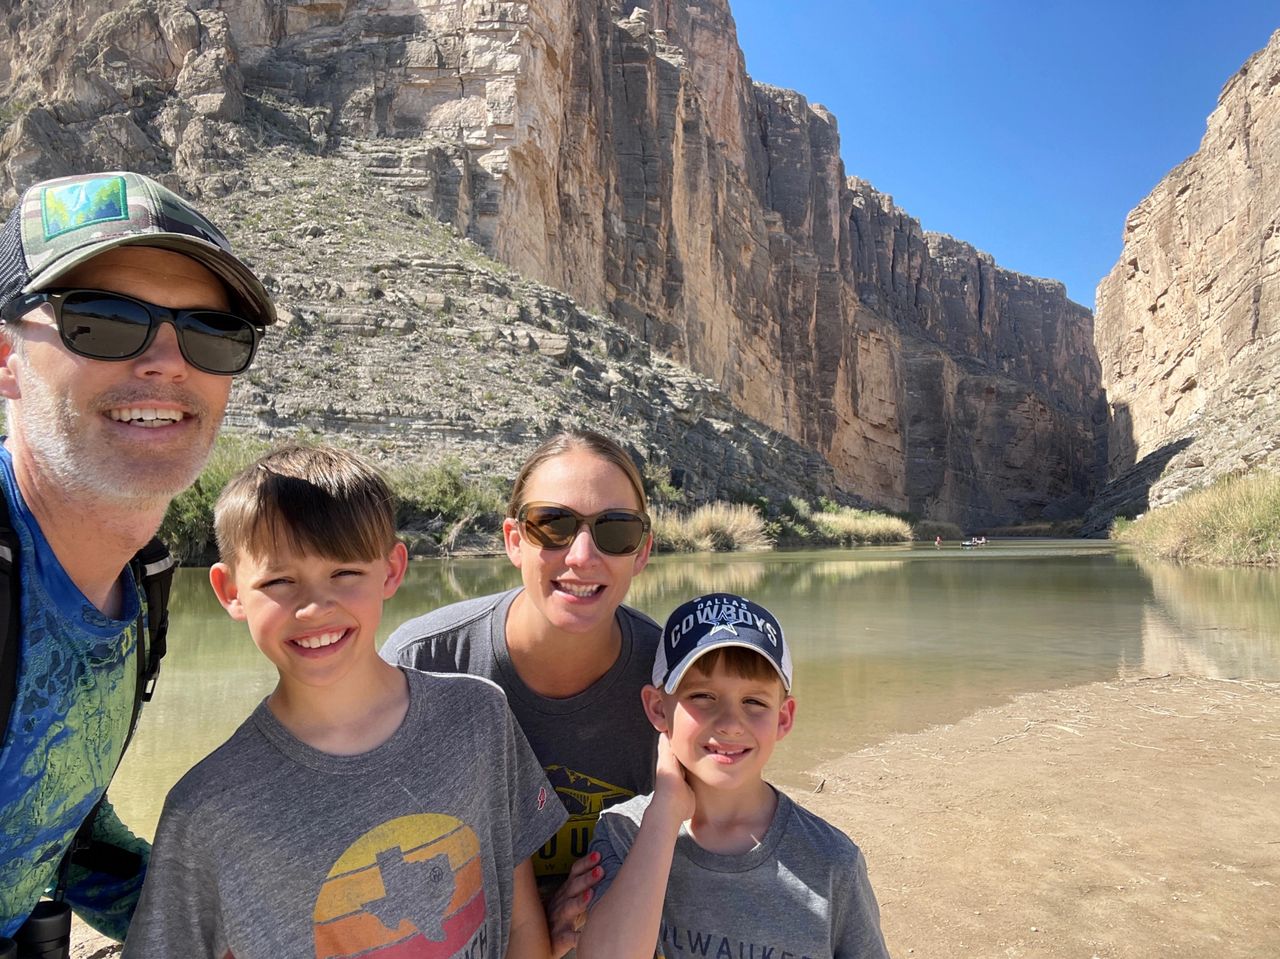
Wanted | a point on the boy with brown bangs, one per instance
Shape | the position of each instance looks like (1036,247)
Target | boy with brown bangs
(362,809)
(716,862)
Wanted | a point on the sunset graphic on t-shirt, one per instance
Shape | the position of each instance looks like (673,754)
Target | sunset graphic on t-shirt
(411,888)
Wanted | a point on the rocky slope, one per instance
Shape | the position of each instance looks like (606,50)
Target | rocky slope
(441,352)
(1188,325)
(621,154)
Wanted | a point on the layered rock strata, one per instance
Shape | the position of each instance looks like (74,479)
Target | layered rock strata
(1188,325)
(622,154)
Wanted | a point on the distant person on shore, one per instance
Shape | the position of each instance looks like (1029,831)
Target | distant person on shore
(361,808)
(571,658)
(125,317)
(717,861)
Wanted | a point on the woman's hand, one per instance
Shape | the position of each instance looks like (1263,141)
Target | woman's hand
(567,908)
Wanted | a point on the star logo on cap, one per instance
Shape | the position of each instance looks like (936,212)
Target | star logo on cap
(726,621)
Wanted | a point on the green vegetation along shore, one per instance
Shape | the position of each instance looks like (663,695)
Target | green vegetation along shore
(444,511)
(1233,522)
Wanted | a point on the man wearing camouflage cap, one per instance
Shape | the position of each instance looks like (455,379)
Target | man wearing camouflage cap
(125,315)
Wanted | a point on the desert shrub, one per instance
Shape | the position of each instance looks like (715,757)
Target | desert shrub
(426,492)
(714,527)
(798,507)
(846,526)
(801,524)
(658,485)
(438,505)
(1119,525)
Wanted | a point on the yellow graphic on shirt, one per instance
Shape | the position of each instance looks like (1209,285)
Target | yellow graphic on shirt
(585,798)
(411,888)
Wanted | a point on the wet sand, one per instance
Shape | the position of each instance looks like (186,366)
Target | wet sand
(1119,820)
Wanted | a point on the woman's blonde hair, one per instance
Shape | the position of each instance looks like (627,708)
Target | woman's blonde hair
(310,499)
(570,441)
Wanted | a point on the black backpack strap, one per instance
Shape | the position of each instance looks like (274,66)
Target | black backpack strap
(153,569)
(10,616)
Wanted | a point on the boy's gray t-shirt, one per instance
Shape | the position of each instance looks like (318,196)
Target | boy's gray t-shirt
(597,747)
(270,849)
(802,893)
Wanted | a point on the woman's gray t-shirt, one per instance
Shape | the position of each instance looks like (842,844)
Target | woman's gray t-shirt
(597,747)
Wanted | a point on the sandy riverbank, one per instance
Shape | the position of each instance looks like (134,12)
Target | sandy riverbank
(1119,820)
(1127,819)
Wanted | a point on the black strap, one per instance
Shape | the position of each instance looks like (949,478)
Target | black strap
(153,569)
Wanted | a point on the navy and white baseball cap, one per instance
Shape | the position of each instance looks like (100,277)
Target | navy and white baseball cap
(715,621)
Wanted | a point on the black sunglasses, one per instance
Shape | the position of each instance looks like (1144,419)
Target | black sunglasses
(618,532)
(112,326)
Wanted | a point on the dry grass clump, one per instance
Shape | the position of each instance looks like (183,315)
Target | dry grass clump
(715,527)
(850,527)
(1234,522)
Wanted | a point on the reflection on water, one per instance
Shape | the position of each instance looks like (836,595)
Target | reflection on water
(664,577)
(669,579)
(885,640)
(1220,623)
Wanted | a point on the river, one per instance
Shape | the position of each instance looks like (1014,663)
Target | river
(885,640)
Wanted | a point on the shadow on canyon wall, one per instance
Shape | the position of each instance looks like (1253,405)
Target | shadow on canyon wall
(1128,488)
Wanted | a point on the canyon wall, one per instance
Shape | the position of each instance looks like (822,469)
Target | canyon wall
(1188,324)
(622,154)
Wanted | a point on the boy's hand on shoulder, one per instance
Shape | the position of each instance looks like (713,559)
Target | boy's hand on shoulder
(567,908)
(672,794)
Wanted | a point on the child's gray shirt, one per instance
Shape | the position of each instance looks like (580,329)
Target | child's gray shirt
(270,849)
(802,893)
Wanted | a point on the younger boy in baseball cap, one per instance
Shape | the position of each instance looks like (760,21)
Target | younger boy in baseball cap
(716,861)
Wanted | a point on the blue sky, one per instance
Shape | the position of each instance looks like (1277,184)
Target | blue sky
(1029,129)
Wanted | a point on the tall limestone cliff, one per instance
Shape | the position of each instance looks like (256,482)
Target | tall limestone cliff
(621,153)
(1188,326)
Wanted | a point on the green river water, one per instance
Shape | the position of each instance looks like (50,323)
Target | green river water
(885,640)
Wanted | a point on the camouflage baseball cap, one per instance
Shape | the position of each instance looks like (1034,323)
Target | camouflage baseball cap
(59,224)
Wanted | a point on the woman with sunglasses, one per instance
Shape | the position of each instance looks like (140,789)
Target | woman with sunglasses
(571,658)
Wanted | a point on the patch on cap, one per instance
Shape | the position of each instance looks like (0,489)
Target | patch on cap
(84,203)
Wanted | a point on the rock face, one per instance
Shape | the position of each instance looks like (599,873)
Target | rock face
(441,353)
(619,153)
(1188,326)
